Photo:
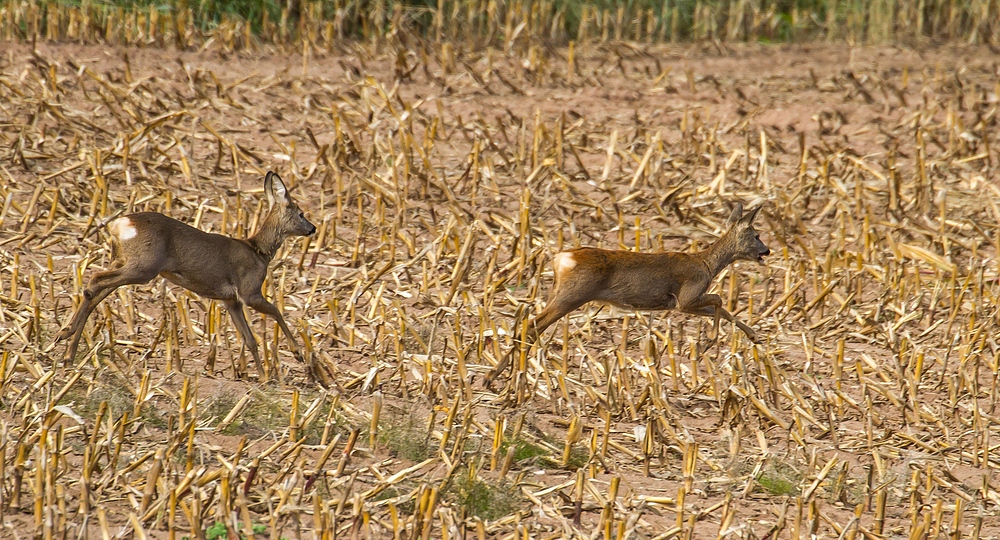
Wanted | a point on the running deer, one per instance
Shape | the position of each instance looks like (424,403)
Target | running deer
(231,270)
(647,281)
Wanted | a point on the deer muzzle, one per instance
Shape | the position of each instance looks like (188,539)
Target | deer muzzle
(762,254)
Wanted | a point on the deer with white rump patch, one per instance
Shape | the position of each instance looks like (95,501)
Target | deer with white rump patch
(647,281)
(230,270)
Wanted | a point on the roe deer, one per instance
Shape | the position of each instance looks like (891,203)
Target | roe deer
(232,270)
(647,281)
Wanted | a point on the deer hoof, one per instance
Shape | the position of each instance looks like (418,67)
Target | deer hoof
(63,334)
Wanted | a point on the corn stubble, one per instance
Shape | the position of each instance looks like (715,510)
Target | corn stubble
(441,186)
(298,24)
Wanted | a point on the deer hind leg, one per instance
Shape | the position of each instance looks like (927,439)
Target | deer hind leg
(101,285)
(557,308)
(235,308)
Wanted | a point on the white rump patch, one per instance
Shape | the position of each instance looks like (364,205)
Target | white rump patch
(564,262)
(123,229)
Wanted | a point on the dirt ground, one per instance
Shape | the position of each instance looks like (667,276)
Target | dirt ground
(443,181)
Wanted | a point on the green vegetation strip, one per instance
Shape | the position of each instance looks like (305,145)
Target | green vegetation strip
(248,23)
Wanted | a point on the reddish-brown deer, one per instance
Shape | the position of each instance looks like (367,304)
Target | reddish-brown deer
(230,270)
(647,281)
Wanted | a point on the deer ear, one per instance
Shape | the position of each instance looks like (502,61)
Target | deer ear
(274,189)
(750,216)
(735,216)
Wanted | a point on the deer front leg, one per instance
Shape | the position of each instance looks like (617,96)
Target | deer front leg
(710,305)
(235,308)
(261,304)
(707,305)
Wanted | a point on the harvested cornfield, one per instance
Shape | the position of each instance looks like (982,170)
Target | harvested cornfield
(442,181)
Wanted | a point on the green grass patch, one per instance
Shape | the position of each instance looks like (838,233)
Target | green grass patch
(218,531)
(391,492)
(313,433)
(578,457)
(531,454)
(262,415)
(777,485)
(86,402)
(404,438)
(525,450)
(480,498)
(558,21)
(527,453)
(779,479)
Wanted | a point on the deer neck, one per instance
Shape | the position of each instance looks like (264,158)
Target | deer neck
(267,240)
(720,254)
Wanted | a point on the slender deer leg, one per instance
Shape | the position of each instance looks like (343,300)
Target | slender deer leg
(75,329)
(92,295)
(87,304)
(235,308)
(261,304)
(710,305)
(707,305)
(100,286)
(556,309)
